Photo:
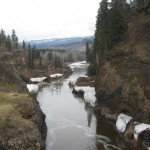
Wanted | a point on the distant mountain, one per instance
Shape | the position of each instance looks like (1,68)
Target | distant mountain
(74,43)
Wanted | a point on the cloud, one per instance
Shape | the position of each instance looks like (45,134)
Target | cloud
(36,19)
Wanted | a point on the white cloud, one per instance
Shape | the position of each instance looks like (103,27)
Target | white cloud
(36,19)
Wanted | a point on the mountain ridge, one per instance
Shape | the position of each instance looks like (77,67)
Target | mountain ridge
(61,43)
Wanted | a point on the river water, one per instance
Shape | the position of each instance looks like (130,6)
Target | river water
(72,125)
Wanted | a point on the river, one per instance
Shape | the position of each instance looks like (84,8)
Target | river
(72,125)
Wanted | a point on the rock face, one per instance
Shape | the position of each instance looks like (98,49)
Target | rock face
(22,123)
(122,81)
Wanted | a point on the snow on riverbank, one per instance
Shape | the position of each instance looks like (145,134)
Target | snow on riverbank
(139,128)
(58,75)
(72,82)
(78,64)
(122,122)
(89,94)
(32,88)
(38,80)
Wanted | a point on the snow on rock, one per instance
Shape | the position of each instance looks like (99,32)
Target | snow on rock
(122,121)
(89,94)
(58,75)
(72,82)
(38,79)
(33,88)
(139,128)
(78,64)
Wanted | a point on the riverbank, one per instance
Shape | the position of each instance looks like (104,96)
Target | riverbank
(22,124)
(135,133)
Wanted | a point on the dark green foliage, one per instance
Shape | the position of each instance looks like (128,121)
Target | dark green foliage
(2,38)
(8,43)
(14,39)
(70,58)
(58,62)
(31,56)
(110,29)
(24,45)
(50,56)
(87,52)
(91,70)
(40,61)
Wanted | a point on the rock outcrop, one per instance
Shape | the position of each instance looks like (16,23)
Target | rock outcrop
(22,124)
(122,82)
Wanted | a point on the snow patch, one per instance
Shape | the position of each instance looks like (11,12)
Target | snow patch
(72,82)
(122,122)
(139,128)
(38,79)
(32,88)
(58,75)
(78,64)
(89,94)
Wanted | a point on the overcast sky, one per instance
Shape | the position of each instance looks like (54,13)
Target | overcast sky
(42,19)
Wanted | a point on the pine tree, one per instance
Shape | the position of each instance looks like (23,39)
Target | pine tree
(118,27)
(50,56)
(40,61)
(2,38)
(24,45)
(33,51)
(87,52)
(8,43)
(29,56)
(101,34)
(14,39)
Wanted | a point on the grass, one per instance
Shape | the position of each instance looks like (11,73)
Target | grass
(12,97)
(9,112)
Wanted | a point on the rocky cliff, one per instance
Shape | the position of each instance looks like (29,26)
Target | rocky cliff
(122,81)
(22,124)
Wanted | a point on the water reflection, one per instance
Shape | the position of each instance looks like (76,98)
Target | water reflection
(56,86)
(72,125)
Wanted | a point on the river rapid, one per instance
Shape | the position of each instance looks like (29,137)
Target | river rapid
(72,125)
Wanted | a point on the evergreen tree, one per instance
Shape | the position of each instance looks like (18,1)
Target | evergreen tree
(8,43)
(50,56)
(110,29)
(14,39)
(70,57)
(118,27)
(87,52)
(40,61)
(33,51)
(29,56)
(24,45)
(2,38)
(58,62)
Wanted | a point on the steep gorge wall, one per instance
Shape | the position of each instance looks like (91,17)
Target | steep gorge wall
(22,124)
(122,82)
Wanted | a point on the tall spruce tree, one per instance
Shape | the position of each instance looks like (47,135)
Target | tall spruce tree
(2,38)
(14,39)
(24,45)
(29,56)
(8,43)
(118,26)
(101,34)
(87,52)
